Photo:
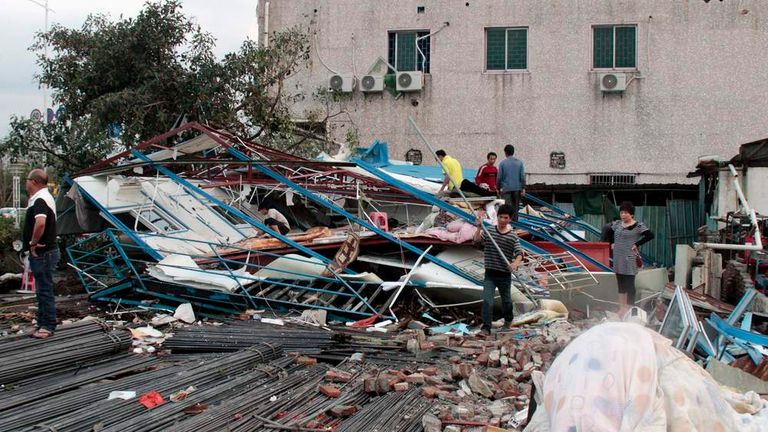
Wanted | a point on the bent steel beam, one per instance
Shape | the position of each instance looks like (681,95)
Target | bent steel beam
(431,199)
(330,205)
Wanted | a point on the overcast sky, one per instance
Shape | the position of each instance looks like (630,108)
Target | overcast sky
(230,22)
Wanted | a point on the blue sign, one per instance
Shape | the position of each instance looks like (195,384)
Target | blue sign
(60,113)
(49,115)
(114,130)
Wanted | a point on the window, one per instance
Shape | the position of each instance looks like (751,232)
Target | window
(506,48)
(612,179)
(614,47)
(403,54)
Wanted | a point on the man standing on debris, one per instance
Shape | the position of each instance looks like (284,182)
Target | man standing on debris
(452,175)
(486,175)
(510,180)
(627,235)
(274,219)
(498,274)
(39,239)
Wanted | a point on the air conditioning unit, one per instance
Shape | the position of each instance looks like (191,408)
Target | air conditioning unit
(613,82)
(409,81)
(342,83)
(372,83)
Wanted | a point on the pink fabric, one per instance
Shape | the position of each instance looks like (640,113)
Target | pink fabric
(457,231)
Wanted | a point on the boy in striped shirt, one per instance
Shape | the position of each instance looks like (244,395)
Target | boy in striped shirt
(498,274)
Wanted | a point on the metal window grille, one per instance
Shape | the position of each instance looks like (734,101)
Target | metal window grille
(612,179)
(614,47)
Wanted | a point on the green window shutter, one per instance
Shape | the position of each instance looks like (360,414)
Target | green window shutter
(517,49)
(602,48)
(494,48)
(626,47)
(406,52)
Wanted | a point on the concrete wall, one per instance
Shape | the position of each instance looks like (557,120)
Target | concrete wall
(699,88)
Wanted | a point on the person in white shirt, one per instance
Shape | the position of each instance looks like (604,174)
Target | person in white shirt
(274,219)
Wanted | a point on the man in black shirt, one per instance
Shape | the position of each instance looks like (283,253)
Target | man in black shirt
(39,238)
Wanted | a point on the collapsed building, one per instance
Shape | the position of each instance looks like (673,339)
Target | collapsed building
(179,223)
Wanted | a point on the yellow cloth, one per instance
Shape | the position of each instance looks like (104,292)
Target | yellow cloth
(453,168)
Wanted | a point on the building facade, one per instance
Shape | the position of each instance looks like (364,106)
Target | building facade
(529,73)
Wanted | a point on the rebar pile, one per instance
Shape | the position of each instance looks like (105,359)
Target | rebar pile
(87,407)
(82,341)
(393,412)
(238,335)
(46,385)
(297,405)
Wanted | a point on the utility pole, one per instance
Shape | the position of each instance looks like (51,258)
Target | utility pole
(44,4)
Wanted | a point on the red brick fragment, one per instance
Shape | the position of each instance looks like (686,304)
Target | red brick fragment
(330,391)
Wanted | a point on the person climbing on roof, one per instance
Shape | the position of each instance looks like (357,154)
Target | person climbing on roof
(486,174)
(274,219)
(452,175)
(510,180)
(498,274)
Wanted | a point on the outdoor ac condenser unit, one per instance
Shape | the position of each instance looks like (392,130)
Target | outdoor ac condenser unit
(372,83)
(342,83)
(613,82)
(409,81)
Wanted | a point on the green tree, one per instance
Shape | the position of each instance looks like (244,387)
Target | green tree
(149,73)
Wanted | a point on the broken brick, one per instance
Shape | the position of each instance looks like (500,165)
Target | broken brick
(430,392)
(401,387)
(306,361)
(416,378)
(342,410)
(338,376)
(330,391)
(482,359)
(430,371)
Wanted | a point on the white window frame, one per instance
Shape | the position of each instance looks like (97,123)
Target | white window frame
(613,56)
(506,50)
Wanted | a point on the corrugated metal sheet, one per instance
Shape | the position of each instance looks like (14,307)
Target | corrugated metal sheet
(675,223)
(684,220)
(659,249)
(596,221)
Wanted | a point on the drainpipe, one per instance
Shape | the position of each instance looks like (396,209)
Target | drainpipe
(418,39)
(266,25)
(752,215)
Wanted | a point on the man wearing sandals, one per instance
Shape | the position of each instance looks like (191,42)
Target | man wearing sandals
(39,239)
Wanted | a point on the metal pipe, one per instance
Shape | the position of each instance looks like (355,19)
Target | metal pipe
(469,207)
(758,245)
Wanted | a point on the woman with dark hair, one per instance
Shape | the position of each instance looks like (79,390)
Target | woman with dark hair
(627,235)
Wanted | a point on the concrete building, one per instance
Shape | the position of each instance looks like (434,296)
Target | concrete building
(528,72)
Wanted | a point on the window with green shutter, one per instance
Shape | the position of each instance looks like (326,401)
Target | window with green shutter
(614,47)
(506,48)
(402,52)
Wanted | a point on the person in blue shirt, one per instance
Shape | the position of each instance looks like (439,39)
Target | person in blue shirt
(510,181)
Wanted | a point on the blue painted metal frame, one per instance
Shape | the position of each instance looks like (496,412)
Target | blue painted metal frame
(200,192)
(567,217)
(119,224)
(429,198)
(330,205)
(723,327)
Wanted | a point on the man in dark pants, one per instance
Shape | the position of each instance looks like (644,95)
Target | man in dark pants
(273,218)
(510,180)
(39,239)
(498,274)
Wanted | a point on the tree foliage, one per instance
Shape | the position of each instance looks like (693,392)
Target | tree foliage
(147,74)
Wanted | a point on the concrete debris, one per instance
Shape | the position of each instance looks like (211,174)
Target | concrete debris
(736,378)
